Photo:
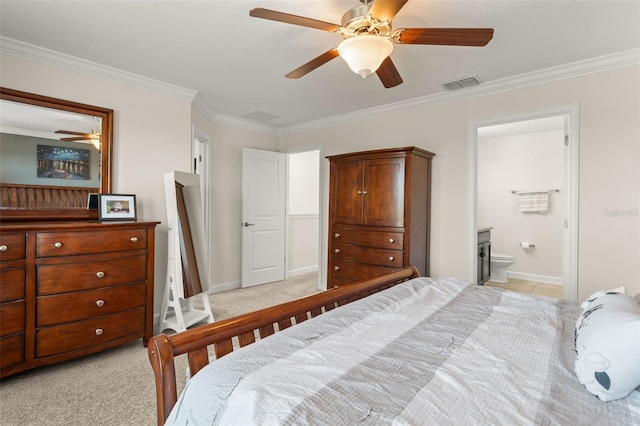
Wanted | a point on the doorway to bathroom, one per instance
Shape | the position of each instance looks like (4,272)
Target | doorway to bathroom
(513,157)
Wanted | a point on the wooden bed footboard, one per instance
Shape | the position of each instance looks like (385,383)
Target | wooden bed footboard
(245,329)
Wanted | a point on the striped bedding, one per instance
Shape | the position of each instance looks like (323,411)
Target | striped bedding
(426,351)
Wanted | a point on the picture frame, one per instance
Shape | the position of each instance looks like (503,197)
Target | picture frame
(117,207)
(92,201)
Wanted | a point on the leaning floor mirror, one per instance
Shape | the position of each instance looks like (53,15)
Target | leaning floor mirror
(186,261)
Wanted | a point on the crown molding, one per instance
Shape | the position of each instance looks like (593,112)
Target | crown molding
(39,54)
(50,57)
(203,106)
(588,66)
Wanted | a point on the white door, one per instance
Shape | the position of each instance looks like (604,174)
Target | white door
(263,216)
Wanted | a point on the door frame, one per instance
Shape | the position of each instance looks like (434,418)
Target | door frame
(201,140)
(321,270)
(571,187)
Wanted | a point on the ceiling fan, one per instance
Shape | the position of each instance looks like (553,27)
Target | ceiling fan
(79,136)
(368,38)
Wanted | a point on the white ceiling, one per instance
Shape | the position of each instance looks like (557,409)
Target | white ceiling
(237,63)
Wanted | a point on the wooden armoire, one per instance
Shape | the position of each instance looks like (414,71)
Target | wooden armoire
(379,213)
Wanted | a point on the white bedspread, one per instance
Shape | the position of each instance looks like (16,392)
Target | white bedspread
(438,352)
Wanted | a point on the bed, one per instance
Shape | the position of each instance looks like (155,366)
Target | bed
(398,349)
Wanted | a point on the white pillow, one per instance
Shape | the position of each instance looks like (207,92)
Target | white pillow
(607,343)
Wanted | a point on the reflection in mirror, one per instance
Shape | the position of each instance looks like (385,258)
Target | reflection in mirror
(53,153)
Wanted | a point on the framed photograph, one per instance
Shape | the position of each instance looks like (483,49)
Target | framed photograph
(116,207)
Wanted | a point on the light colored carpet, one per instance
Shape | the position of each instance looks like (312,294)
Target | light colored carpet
(116,387)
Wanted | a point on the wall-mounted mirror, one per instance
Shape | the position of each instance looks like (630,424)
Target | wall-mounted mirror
(53,153)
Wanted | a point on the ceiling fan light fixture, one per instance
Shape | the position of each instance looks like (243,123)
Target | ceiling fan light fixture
(364,53)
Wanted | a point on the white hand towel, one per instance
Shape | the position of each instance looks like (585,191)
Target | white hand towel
(533,201)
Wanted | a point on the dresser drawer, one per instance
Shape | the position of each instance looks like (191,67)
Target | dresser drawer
(12,317)
(12,350)
(54,309)
(12,283)
(350,271)
(12,246)
(68,277)
(373,256)
(78,335)
(71,243)
(378,239)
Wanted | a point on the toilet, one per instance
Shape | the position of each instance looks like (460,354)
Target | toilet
(499,264)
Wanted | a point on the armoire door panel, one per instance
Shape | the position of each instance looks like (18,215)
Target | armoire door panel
(384,187)
(346,191)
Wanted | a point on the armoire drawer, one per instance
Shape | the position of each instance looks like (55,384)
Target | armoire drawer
(72,243)
(351,271)
(12,246)
(59,339)
(54,309)
(13,318)
(12,283)
(369,238)
(12,350)
(373,256)
(66,277)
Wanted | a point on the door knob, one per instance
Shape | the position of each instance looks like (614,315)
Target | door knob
(248,224)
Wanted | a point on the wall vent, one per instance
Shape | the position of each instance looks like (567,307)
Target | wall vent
(259,116)
(462,83)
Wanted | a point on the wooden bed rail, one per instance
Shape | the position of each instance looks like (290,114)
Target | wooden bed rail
(43,196)
(162,349)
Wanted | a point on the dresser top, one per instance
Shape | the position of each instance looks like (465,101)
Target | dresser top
(73,225)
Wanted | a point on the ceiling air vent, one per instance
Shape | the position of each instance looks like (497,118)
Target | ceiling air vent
(259,116)
(461,83)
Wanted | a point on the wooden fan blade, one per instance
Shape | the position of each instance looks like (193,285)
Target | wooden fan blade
(313,64)
(388,74)
(69,132)
(385,10)
(293,19)
(445,36)
(79,138)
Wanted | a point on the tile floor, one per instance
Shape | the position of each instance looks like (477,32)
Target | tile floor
(524,286)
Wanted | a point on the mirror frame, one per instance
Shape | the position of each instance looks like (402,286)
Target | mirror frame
(106,148)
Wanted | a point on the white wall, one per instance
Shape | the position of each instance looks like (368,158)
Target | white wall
(532,161)
(609,106)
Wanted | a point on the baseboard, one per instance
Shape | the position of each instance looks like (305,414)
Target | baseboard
(217,288)
(548,279)
(306,270)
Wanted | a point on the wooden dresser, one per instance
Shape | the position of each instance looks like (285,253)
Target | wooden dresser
(72,288)
(379,213)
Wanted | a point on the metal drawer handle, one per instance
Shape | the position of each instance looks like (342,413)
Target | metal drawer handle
(133,239)
(336,251)
(99,302)
(391,240)
(57,244)
(336,268)
(99,331)
(3,248)
(391,258)
(100,274)
(336,235)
